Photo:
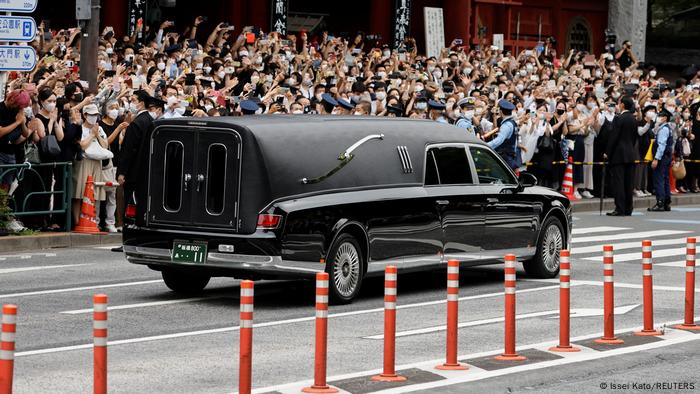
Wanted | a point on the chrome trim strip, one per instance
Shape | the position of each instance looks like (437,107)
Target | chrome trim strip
(253,263)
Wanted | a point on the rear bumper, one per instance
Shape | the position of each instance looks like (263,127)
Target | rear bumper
(227,264)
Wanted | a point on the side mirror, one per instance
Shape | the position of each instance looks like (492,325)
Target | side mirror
(526,179)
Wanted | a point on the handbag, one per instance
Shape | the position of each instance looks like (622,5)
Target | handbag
(31,153)
(545,144)
(49,146)
(678,170)
(96,152)
(685,147)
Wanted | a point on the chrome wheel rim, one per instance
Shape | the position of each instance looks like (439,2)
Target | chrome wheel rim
(346,269)
(551,246)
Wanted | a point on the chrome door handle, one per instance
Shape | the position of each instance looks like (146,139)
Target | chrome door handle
(442,202)
(187,179)
(200,179)
(492,200)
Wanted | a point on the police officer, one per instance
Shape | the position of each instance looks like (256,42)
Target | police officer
(466,116)
(249,107)
(437,110)
(662,150)
(327,104)
(506,142)
(344,107)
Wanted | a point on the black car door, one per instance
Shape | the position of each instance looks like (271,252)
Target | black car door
(450,183)
(511,217)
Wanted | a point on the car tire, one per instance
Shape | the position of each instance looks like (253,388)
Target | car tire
(346,269)
(550,242)
(184,282)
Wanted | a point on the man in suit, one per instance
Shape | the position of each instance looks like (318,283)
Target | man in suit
(133,155)
(621,155)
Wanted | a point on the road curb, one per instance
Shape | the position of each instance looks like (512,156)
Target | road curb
(639,203)
(56,240)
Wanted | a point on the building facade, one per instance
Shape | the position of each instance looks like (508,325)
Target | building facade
(574,24)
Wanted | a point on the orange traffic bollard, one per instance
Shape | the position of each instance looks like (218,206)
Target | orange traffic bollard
(389,374)
(564,305)
(510,354)
(88,220)
(609,299)
(99,331)
(246,338)
(7,347)
(451,362)
(320,385)
(689,317)
(648,289)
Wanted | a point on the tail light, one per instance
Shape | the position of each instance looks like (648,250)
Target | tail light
(130,211)
(269,221)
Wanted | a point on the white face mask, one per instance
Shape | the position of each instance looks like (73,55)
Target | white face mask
(381,74)
(523,73)
(153,114)
(598,73)
(381,96)
(221,74)
(28,112)
(437,74)
(671,109)
(419,88)
(591,105)
(652,73)
(243,53)
(91,119)
(628,74)
(109,50)
(469,114)
(520,87)
(421,106)
(180,110)
(161,66)
(207,69)
(208,107)
(254,79)
(113,114)
(133,108)
(467,71)
(49,107)
(198,66)
(651,115)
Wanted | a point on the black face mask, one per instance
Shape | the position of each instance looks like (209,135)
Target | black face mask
(561,111)
(78,97)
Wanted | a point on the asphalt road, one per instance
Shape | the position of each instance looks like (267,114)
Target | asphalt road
(164,343)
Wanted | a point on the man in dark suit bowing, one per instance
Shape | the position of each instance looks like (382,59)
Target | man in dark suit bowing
(134,152)
(621,155)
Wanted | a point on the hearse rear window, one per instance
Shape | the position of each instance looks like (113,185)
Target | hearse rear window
(447,165)
(216,179)
(489,169)
(172,187)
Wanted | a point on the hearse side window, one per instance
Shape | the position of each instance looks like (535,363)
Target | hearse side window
(450,166)
(489,169)
(216,179)
(172,179)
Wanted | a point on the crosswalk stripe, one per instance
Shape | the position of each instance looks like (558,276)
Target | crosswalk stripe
(676,264)
(638,235)
(599,229)
(638,255)
(627,245)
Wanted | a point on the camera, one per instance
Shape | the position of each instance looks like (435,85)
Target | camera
(610,40)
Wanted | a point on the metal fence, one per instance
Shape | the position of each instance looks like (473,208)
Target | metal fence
(40,192)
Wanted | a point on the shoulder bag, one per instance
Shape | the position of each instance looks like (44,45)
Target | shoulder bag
(96,152)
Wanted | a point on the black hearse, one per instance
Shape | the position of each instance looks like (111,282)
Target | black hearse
(267,197)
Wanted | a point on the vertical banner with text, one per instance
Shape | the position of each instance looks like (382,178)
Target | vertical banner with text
(279,16)
(434,31)
(137,15)
(402,21)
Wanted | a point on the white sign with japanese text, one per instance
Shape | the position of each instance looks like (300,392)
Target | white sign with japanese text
(17,58)
(18,5)
(434,31)
(498,41)
(17,28)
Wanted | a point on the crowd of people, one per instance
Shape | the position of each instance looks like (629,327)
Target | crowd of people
(537,107)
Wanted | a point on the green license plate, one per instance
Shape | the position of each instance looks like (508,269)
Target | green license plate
(189,252)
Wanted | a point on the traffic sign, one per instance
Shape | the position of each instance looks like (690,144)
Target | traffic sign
(17,58)
(17,28)
(18,5)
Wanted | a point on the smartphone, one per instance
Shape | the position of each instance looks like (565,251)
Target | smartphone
(458,41)
(69,63)
(236,64)
(284,90)
(279,100)
(250,38)
(286,43)
(110,73)
(229,70)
